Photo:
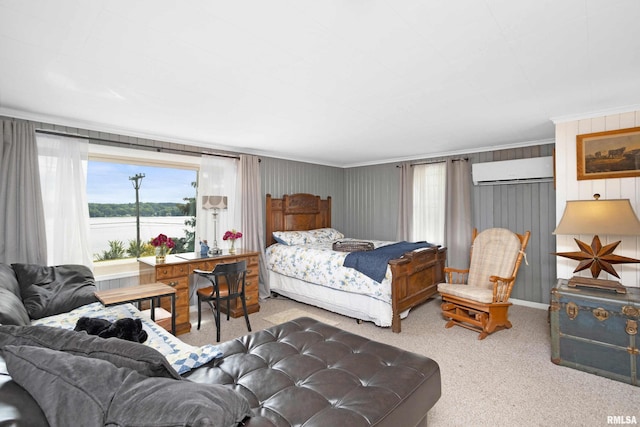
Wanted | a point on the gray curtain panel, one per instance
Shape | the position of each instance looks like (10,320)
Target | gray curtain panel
(22,225)
(458,218)
(253,215)
(405,203)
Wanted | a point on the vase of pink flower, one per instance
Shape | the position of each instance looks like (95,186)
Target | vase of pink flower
(232,235)
(163,245)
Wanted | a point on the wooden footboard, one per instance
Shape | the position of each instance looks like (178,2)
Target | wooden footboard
(415,279)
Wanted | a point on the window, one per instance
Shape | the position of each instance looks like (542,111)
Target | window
(78,176)
(429,189)
(166,201)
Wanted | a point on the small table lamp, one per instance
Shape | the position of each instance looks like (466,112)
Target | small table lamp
(595,217)
(214,203)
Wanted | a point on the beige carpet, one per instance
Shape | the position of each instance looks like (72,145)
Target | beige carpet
(506,379)
(294,313)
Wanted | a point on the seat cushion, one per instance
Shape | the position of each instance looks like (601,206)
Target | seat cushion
(474,293)
(495,251)
(207,292)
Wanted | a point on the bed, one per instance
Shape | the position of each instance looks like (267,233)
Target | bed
(409,280)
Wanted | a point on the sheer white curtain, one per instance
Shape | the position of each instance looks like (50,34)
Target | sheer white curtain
(63,176)
(429,190)
(218,177)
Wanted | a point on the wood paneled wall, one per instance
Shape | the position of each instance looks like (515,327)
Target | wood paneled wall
(522,207)
(371,212)
(371,202)
(569,188)
(279,177)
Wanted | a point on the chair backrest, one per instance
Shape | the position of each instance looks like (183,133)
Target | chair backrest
(234,274)
(494,253)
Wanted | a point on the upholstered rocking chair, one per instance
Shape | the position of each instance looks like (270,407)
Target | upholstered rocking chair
(478,298)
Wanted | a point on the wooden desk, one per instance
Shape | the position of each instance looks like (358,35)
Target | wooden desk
(139,293)
(178,268)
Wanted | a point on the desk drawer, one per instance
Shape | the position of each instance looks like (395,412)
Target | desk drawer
(170,271)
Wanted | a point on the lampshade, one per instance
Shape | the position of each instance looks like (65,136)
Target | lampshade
(214,202)
(614,217)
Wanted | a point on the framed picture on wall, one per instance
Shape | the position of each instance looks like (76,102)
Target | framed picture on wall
(611,154)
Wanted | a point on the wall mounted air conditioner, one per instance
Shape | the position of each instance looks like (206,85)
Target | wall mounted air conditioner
(535,169)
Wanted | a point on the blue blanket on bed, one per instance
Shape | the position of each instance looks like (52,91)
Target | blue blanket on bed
(374,263)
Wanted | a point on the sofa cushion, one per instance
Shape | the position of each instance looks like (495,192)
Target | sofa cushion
(12,311)
(8,280)
(73,390)
(126,354)
(17,407)
(47,290)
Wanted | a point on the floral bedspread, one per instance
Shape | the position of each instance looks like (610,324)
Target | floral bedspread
(318,263)
(183,357)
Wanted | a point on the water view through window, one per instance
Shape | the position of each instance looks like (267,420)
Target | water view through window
(167,205)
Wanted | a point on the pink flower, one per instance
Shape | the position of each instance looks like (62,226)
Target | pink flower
(231,235)
(163,241)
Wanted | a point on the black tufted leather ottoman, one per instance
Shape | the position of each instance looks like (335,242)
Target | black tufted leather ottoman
(305,372)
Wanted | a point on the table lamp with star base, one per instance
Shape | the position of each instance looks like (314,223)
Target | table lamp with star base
(595,217)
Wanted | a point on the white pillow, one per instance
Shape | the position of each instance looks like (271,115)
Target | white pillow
(293,237)
(322,235)
(307,237)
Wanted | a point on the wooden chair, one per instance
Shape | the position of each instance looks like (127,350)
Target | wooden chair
(478,298)
(227,283)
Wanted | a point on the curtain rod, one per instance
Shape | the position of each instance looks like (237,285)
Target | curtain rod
(137,145)
(441,161)
(466,159)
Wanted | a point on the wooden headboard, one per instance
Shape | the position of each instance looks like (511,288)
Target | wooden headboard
(296,212)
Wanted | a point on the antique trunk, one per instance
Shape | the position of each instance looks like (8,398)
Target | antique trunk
(596,331)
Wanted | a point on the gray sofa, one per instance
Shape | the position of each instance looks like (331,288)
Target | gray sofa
(299,372)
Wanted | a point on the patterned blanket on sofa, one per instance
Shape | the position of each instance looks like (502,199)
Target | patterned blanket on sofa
(183,357)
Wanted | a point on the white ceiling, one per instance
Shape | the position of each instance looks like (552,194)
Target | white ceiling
(340,82)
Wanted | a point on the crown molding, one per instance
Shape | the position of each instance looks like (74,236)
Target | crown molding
(595,114)
(99,127)
(455,153)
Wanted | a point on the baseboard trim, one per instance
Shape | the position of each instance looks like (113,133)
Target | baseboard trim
(531,304)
